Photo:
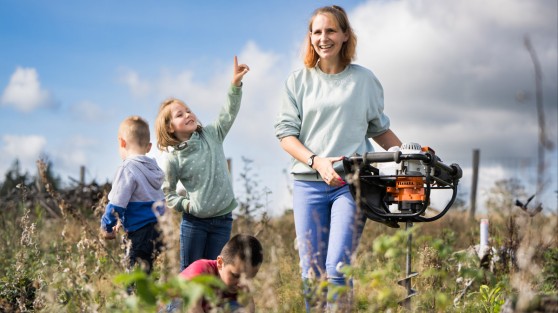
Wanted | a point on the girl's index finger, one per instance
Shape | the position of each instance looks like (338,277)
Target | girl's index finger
(235,62)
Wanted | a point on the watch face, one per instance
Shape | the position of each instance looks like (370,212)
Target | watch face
(310,161)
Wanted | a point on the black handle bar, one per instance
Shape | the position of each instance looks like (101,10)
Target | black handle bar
(427,158)
(445,176)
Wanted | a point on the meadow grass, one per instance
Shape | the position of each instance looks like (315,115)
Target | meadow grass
(61,264)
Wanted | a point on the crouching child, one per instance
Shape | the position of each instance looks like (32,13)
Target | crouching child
(240,259)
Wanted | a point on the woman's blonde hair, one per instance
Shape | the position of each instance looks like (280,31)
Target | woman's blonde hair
(348,50)
(165,138)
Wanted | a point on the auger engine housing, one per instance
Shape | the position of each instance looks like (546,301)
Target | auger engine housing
(404,176)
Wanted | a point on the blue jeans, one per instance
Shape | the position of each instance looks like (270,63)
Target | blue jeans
(328,229)
(203,238)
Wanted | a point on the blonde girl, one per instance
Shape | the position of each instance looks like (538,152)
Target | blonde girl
(198,161)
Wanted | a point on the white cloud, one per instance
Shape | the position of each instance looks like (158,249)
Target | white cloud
(200,96)
(79,150)
(170,83)
(451,70)
(26,149)
(72,160)
(130,78)
(75,152)
(88,111)
(24,91)
(260,100)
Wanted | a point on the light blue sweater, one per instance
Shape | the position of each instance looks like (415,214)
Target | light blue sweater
(135,195)
(331,114)
(200,165)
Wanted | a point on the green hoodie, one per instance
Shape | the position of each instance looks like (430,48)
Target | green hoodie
(200,165)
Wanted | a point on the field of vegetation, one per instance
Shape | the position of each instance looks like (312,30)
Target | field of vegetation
(53,259)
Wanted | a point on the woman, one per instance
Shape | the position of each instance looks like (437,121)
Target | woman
(329,110)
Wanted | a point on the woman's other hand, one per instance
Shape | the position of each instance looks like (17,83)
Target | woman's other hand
(324,166)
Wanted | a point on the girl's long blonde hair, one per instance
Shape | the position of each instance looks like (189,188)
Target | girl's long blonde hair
(348,50)
(165,138)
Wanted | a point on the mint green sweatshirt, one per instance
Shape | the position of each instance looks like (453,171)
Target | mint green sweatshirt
(331,114)
(200,165)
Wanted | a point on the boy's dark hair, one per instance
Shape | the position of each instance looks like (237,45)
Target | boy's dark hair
(244,247)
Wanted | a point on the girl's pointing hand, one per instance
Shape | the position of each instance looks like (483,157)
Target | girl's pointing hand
(239,72)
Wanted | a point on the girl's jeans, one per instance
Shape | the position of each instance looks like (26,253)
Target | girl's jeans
(328,229)
(203,238)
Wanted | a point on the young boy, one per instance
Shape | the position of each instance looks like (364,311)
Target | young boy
(241,256)
(136,195)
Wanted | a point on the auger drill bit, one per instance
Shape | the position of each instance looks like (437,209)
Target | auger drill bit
(406,282)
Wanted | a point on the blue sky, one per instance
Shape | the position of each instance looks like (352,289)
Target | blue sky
(451,71)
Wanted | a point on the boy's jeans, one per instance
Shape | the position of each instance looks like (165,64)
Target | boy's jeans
(145,244)
(203,238)
(328,229)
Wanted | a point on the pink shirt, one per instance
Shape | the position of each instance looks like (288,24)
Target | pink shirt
(199,267)
(207,267)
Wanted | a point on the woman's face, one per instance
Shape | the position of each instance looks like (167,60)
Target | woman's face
(183,122)
(327,38)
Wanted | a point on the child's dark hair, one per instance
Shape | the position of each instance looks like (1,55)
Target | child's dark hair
(244,247)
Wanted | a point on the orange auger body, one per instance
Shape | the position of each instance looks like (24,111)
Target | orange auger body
(410,189)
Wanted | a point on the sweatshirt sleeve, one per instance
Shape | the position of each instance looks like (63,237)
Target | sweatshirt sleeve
(173,199)
(109,219)
(289,119)
(228,113)
(123,186)
(378,121)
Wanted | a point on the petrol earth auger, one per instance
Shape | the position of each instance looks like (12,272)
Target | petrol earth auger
(395,187)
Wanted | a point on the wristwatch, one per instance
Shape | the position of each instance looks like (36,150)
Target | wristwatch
(310,160)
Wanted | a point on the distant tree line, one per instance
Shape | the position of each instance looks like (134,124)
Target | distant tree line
(15,178)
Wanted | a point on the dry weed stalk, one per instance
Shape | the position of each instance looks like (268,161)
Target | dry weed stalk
(264,287)
(169,260)
(72,283)
(29,252)
(537,234)
(67,210)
